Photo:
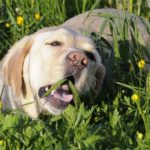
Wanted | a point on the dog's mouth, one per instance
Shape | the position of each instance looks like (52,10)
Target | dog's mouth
(59,97)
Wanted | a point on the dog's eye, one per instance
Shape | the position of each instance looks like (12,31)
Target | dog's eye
(90,56)
(55,43)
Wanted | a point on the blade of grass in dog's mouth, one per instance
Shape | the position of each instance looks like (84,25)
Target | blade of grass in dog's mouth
(72,88)
(75,94)
(76,97)
(53,87)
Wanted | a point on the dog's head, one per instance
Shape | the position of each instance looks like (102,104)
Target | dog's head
(38,61)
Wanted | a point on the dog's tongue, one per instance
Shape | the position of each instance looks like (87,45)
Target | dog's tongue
(62,94)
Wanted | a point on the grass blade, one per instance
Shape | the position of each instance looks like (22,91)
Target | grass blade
(75,94)
(55,86)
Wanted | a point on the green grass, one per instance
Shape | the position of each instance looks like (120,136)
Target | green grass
(117,121)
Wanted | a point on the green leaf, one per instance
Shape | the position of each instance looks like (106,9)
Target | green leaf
(116,46)
(108,15)
(88,115)
(114,118)
(12,18)
(116,100)
(28,132)
(148,86)
(79,116)
(70,114)
(127,100)
(92,139)
(56,118)
(103,26)
(129,86)
(9,121)
(92,8)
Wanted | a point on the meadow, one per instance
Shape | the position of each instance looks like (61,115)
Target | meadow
(120,117)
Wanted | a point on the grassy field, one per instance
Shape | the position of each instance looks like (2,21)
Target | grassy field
(121,119)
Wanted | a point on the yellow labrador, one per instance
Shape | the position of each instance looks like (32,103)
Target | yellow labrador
(40,60)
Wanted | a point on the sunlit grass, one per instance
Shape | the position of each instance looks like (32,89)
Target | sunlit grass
(121,119)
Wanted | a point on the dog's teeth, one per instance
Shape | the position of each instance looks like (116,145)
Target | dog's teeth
(65,87)
(46,89)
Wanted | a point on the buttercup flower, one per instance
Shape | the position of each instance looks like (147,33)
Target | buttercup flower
(134,97)
(1,142)
(7,25)
(139,135)
(20,20)
(141,64)
(37,16)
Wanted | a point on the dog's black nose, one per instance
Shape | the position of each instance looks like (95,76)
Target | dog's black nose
(77,59)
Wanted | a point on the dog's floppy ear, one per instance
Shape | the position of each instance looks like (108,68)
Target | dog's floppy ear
(100,73)
(13,64)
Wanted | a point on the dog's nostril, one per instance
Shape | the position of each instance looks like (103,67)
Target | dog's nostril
(85,61)
(74,57)
(78,59)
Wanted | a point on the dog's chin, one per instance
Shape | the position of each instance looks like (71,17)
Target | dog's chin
(54,105)
(58,99)
(53,110)
(57,103)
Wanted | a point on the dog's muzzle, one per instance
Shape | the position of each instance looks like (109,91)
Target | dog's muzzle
(59,97)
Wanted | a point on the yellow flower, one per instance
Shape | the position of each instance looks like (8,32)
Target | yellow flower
(20,20)
(37,16)
(139,135)
(7,25)
(141,64)
(134,97)
(1,142)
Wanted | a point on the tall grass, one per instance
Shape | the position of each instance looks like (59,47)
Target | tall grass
(51,13)
(121,119)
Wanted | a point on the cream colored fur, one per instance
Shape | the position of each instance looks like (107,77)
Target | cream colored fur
(31,64)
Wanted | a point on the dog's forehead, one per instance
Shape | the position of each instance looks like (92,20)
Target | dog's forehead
(65,35)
